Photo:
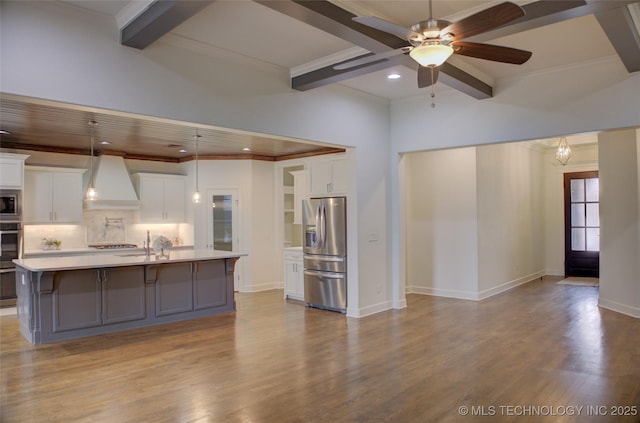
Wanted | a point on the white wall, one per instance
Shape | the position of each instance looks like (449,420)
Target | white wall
(535,106)
(475,219)
(619,153)
(510,216)
(58,52)
(442,225)
(263,206)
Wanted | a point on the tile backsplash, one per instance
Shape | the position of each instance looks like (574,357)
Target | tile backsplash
(106,226)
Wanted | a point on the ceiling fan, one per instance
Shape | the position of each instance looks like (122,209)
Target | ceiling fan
(433,41)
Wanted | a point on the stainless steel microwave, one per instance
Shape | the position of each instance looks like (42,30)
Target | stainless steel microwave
(10,205)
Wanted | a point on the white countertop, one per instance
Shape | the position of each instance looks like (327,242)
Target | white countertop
(117,259)
(87,251)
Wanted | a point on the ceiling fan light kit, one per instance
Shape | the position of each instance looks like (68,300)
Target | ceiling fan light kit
(433,41)
(431,53)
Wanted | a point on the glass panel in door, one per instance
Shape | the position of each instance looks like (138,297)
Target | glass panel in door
(222,222)
(224,228)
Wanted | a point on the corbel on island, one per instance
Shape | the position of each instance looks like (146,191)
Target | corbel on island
(71,297)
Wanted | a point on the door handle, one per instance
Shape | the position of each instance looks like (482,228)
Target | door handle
(326,275)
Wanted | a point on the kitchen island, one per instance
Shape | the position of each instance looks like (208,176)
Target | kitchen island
(71,297)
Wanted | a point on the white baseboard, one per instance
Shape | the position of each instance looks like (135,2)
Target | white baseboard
(262,287)
(510,285)
(439,292)
(474,295)
(619,308)
(399,304)
(369,310)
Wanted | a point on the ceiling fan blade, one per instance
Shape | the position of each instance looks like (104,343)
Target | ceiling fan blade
(491,52)
(425,74)
(386,26)
(484,21)
(371,58)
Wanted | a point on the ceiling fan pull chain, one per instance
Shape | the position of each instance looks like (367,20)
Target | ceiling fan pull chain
(433,94)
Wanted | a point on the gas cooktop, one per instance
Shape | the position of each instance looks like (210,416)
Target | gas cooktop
(111,246)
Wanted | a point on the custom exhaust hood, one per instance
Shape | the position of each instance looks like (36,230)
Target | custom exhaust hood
(113,185)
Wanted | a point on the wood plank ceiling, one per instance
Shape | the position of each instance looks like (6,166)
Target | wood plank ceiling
(48,126)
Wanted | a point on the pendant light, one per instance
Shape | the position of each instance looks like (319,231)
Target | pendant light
(92,194)
(563,153)
(196,194)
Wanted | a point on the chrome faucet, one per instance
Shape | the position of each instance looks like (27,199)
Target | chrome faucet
(148,245)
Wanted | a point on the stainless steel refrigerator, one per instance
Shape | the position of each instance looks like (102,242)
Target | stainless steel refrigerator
(324,224)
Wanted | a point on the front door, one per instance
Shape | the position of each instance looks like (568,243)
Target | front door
(582,224)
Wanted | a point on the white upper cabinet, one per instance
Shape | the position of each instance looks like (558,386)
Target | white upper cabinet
(327,176)
(12,170)
(162,197)
(52,195)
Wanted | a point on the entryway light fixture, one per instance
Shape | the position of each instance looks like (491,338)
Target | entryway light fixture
(92,194)
(563,153)
(196,194)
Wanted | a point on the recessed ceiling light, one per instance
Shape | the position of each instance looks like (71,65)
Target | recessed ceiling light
(393,76)
(5,132)
(246,149)
(105,142)
(182,150)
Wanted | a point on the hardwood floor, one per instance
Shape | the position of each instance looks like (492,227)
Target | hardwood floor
(540,349)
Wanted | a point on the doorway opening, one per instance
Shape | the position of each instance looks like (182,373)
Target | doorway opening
(582,224)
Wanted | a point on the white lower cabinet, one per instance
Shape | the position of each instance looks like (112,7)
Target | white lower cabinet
(293,274)
(52,195)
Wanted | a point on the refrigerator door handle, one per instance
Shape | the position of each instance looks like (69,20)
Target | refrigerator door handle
(324,258)
(322,227)
(318,241)
(327,275)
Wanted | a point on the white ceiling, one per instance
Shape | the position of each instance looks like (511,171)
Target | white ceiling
(258,34)
(252,30)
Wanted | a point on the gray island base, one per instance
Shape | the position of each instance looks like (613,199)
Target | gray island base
(72,297)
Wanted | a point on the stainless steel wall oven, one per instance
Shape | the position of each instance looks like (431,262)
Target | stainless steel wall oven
(10,244)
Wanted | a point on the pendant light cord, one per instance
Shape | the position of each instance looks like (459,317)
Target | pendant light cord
(92,123)
(197,145)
